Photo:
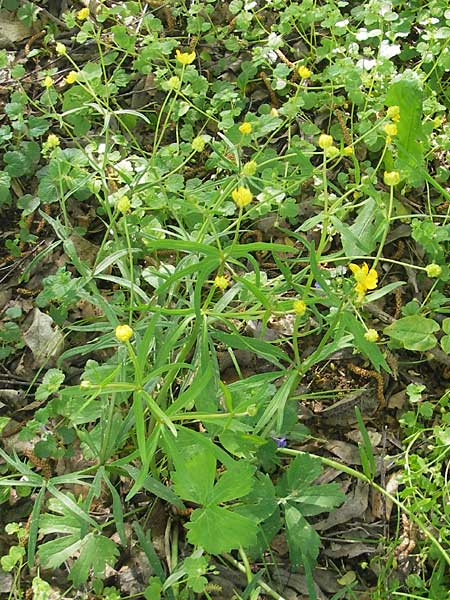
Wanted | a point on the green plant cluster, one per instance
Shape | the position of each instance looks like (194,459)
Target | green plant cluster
(231,165)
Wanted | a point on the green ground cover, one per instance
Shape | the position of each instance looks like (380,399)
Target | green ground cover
(224,280)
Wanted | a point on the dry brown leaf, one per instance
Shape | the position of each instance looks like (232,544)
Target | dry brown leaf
(353,508)
(378,499)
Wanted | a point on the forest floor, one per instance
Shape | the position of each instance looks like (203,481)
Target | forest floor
(225,341)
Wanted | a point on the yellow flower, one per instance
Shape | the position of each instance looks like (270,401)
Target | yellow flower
(71,77)
(325,141)
(242,196)
(221,282)
(366,279)
(391,178)
(347,151)
(47,82)
(274,112)
(371,335)
(83,14)
(245,128)
(393,112)
(304,72)
(390,129)
(299,307)
(60,48)
(123,333)
(249,168)
(185,58)
(123,204)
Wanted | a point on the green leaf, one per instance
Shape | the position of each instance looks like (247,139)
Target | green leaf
(358,239)
(232,484)
(96,552)
(53,553)
(37,126)
(5,185)
(194,480)
(217,529)
(303,540)
(50,384)
(414,332)
(369,349)
(407,93)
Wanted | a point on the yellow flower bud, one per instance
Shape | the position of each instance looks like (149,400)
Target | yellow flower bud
(433,270)
(123,204)
(52,141)
(47,82)
(174,83)
(391,178)
(348,151)
(390,129)
(393,112)
(371,335)
(249,169)
(198,143)
(123,333)
(325,141)
(299,307)
(331,152)
(60,48)
(71,77)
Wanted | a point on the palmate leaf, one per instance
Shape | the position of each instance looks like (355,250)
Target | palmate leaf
(194,480)
(96,552)
(218,529)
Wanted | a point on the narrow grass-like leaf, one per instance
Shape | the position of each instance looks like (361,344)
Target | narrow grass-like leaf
(365,449)
(34,525)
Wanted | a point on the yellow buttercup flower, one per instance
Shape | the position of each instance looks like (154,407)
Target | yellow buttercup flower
(71,77)
(242,196)
(304,72)
(47,82)
(83,14)
(245,128)
(123,333)
(299,307)
(185,58)
(366,279)
(221,282)
(371,335)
